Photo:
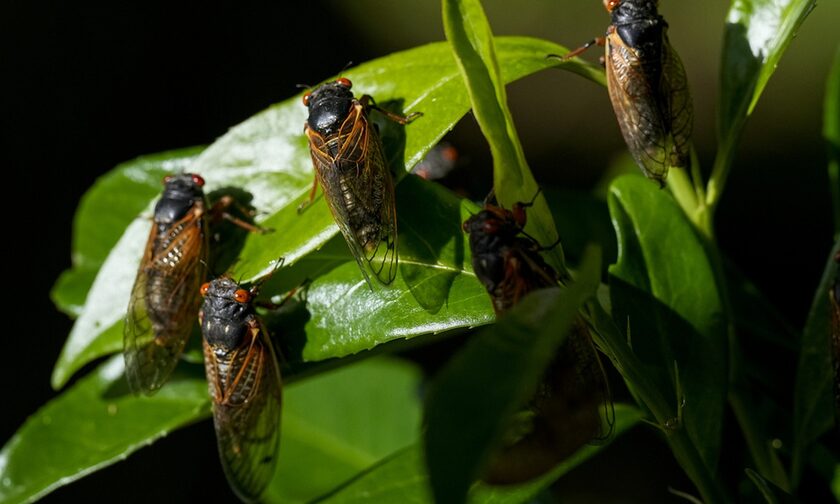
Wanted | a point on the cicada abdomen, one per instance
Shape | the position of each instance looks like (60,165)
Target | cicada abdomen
(565,412)
(243,378)
(165,299)
(349,163)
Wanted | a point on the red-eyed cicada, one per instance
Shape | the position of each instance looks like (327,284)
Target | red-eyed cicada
(647,87)
(165,299)
(243,377)
(565,412)
(349,164)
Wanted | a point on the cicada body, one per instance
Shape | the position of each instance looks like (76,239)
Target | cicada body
(243,377)
(505,260)
(349,163)
(165,299)
(648,87)
(565,411)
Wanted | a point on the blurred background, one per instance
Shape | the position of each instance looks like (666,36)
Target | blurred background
(88,86)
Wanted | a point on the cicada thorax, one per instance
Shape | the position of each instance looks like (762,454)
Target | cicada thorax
(349,163)
(243,379)
(565,412)
(648,88)
(164,298)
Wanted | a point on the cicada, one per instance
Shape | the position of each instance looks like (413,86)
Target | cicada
(165,299)
(349,164)
(243,377)
(564,414)
(647,87)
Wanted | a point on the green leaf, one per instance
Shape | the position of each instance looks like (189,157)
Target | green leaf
(771,493)
(831,133)
(341,423)
(663,290)
(813,405)
(473,398)
(267,158)
(757,34)
(92,425)
(403,477)
(471,38)
(103,214)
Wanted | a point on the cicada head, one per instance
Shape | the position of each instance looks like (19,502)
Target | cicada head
(329,105)
(226,313)
(180,192)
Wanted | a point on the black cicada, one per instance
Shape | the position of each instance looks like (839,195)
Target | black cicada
(243,377)
(565,411)
(350,165)
(164,300)
(647,86)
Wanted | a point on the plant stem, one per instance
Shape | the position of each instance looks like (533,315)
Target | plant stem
(683,190)
(628,365)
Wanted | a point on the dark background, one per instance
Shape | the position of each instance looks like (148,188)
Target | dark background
(88,86)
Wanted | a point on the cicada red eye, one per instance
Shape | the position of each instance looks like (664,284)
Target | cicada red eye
(241,296)
(611,4)
(198,180)
(306,98)
(203,289)
(518,213)
(345,82)
(166,179)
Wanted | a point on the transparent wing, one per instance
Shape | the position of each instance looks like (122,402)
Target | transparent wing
(357,185)
(637,107)
(246,393)
(677,106)
(164,302)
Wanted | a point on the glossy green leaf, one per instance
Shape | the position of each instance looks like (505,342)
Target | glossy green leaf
(105,210)
(813,406)
(831,133)
(267,158)
(473,398)
(403,478)
(341,423)
(471,38)
(94,424)
(757,34)
(663,291)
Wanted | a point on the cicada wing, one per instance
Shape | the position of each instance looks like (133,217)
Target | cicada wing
(677,106)
(246,393)
(636,105)
(360,192)
(164,303)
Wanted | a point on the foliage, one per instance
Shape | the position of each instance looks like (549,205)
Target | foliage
(669,318)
